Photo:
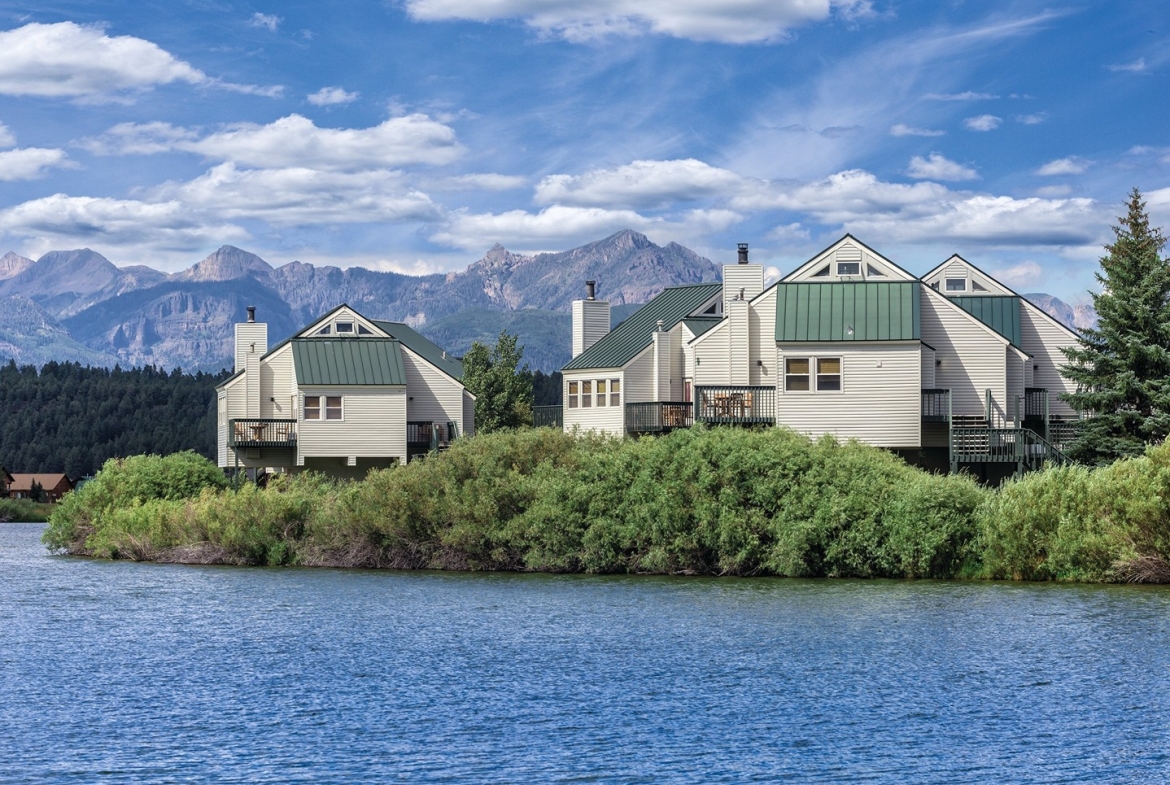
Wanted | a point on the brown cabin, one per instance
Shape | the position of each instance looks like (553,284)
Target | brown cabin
(5,482)
(55,485)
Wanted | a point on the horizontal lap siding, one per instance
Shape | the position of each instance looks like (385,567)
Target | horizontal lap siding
(1015,385)
(374,425)
(972,357)
(468,414)
(604,419)
(880,402)
(1043,340)
(763,339)
(713,356)
(276,381)
(432,395)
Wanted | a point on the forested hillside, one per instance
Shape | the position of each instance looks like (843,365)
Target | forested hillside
(71,418)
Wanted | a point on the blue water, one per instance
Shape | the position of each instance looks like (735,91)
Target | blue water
(123,672)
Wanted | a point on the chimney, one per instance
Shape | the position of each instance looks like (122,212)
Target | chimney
(251,314)
(251,345)
(743,253)
(743,280)
(590,319)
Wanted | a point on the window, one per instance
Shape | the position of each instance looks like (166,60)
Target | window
(615,392)
(327,405)
(344,327)
(326,330)
(874,272)
(601,399)
(574,392)
(363,330)
(822,273)
(977,287)
(956,284)
(848,268)
(796,374)
(828,373)
(586,394)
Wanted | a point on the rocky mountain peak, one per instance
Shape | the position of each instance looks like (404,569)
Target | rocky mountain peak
(13,264)
(227,264)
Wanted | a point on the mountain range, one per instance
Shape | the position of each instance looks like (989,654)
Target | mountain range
(79,306)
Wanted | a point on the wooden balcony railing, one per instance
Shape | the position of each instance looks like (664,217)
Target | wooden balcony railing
(1036,403)
(936,405)
(735,405)
(659,416)
(262,433)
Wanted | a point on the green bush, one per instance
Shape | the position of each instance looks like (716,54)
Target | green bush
(24,510)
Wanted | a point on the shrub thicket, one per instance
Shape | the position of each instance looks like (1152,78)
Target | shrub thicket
(24,510)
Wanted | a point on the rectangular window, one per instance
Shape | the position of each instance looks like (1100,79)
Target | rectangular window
(574,391)
(796,374)
(828,373)
(848,268)
(312,407)
(601,399)
(586,394)
(615,392)
(956,284)
(344,327)
(333,407)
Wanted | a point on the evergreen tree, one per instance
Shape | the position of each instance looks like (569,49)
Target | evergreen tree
(1122,368)
(502,389)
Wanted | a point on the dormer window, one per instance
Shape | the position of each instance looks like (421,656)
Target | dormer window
(345,328)
(956,284)
(848,268)
(975,285)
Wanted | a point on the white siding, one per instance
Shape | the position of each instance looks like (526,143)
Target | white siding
(468,414)
(639,377)
(1042,337)
(660,374)
(604,419)
(677,363)
(712,356)
(432,396)
(880,402)
(762,342)
(739,343)
(746,277)
(276,381)
(373,425)
(971,354)
(250,338)
(221,429)
(1015,385)
(848,250)
(927,367)
(591,322)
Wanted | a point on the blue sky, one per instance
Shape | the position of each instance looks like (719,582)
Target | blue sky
(413,134)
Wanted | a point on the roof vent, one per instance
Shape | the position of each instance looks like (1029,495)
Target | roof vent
(661,325)
(251,314)
(591,290)
(743,253)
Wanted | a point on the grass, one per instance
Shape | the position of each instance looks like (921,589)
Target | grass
(23,511)
(697,501)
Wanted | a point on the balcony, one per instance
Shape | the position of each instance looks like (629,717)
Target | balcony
(936,405)
(253,433)
(735,405)
(659,416)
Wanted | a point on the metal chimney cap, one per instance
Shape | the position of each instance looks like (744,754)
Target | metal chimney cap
(743,253)
(661,324)
(591,290)
(251,313)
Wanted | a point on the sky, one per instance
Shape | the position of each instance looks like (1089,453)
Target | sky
(412,135)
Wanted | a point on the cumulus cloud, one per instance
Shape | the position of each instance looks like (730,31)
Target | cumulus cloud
(481,181)
(639,184)
(901,129)
(329,96)
(68,60)
(1032,119)
(937,167)
(1136,67)
(31,162)
(984,122)
(744,21)
(294,141)
(7,138)
(1070,165)
(268,21)
(966,96)
(1020,275)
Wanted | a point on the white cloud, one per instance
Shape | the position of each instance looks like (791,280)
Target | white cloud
(299,197)
(7,138)
(1070,165)
(638,184)
(967,96)
(267,21)
(483,181)
(329,96)
(1054,190)
(984,122)
(1032,119)
(937,167)
(742,21)
(901,129)
(1020,275)
(31,162)
(1136,67)
(294,141)
(68,60)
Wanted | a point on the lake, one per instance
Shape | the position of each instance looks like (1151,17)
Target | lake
(122,672)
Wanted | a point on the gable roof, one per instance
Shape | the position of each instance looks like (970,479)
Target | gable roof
(1000,313)
(433,354)
(849,311)
(625,341)
(954,259)
(821,255)
(701,324)
(23,482)
(348,361)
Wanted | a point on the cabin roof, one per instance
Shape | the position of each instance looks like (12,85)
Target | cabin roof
(23,482)
(848,311)
(424,348)
(998,312)
(348,361)
(624,342)
(701,324)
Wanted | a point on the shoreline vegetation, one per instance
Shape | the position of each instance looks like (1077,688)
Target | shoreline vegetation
(695,502)
(23,511)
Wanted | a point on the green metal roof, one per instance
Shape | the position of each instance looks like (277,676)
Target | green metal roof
(348,361)
(433,354)
(999,312)
(848,311)
(625,341)
(701,324)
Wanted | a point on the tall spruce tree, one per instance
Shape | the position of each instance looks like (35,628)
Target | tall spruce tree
(1122,368)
